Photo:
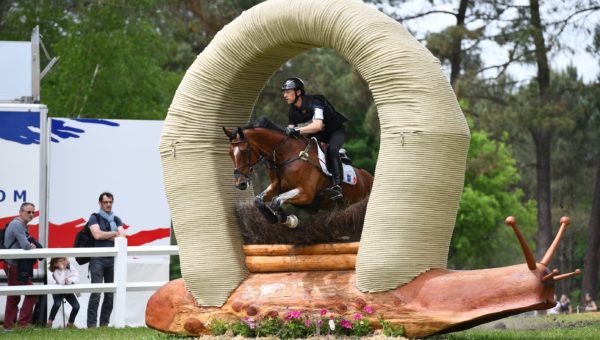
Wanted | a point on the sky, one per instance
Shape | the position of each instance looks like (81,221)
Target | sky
(587,65)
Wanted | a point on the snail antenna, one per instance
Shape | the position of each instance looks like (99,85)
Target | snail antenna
(564,222)
(511,221)
(564,276)
(550,275)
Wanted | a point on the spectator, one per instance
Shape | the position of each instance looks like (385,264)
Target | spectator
(589,303)
(63,274)
(105,228)
(565,304)
(556,308)
(19,272)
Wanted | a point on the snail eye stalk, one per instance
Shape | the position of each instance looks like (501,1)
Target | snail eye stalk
(511,221)
(564,222)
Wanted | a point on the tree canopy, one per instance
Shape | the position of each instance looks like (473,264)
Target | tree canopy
(534,142)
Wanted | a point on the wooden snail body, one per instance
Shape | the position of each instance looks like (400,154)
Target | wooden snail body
(437,301)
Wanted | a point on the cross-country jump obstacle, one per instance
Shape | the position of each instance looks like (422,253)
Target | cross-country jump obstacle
(399,267)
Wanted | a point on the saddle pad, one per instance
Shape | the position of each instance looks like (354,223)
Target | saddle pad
(349,173)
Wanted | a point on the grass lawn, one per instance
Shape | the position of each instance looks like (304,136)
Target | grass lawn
(568,326)
(574,326)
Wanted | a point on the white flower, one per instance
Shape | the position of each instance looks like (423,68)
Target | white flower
(331,325)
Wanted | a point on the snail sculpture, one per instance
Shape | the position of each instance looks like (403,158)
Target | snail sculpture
(437,301)
(410,216)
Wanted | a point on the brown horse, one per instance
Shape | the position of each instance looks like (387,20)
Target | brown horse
(294,171)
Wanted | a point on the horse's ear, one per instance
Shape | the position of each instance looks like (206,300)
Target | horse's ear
(227,132)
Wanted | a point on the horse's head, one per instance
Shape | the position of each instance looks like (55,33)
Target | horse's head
(243,155)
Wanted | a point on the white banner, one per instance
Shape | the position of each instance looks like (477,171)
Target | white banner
(87,157)
(90,156)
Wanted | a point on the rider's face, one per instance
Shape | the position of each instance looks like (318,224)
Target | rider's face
(289,96)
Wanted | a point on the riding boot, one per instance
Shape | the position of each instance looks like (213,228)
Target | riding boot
(338,176)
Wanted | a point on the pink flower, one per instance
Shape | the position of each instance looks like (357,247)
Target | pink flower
(358,316)
(294,314)
(369,309)
(346,324)
(307,322)
(323,311)
(250,322)
(319,323)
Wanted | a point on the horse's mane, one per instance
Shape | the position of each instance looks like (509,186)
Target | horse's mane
(265,123)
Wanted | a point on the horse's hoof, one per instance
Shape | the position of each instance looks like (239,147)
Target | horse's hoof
(291,221)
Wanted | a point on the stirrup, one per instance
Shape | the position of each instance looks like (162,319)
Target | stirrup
(336,192)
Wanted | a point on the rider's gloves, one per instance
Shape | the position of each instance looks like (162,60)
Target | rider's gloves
(291,131)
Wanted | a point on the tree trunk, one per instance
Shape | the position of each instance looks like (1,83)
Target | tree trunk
(564,262)
(542,137)
(590,262)
(541,58)
(456,58)
(542,141)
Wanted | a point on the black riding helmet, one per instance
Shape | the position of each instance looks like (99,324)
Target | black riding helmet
(293,83)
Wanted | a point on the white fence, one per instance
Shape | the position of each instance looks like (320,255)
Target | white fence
(120,251)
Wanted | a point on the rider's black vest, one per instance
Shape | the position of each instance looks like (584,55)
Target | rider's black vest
(332,120)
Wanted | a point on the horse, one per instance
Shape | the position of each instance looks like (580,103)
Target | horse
(294,171)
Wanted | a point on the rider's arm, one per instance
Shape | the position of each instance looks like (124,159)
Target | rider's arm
(317,123)
(315,126)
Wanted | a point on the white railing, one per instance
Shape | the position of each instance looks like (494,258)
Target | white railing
(120,252)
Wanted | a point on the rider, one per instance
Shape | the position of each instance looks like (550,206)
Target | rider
(327,124)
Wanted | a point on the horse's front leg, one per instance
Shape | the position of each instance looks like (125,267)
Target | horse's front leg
(268,213)
(279,200)
(289,220)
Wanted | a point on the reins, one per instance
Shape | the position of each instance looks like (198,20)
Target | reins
(272,162)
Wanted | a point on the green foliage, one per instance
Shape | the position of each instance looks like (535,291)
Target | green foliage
(294,329)
(361,326)
(244,327)
(269,326)
(218,327)
(490,195)
(296,325)
(111,57)
(391,330)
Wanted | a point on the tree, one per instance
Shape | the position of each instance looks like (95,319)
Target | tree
(591,262)
(112,57)
(481,239)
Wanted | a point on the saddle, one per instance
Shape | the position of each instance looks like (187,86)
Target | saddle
(349,175)
(343,156)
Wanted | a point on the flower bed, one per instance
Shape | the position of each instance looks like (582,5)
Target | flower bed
(296,324)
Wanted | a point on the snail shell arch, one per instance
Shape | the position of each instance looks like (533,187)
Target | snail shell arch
(420,169)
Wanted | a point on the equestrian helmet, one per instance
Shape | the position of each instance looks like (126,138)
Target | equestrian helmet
(293,83)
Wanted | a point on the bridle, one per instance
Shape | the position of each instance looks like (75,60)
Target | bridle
(237,172)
